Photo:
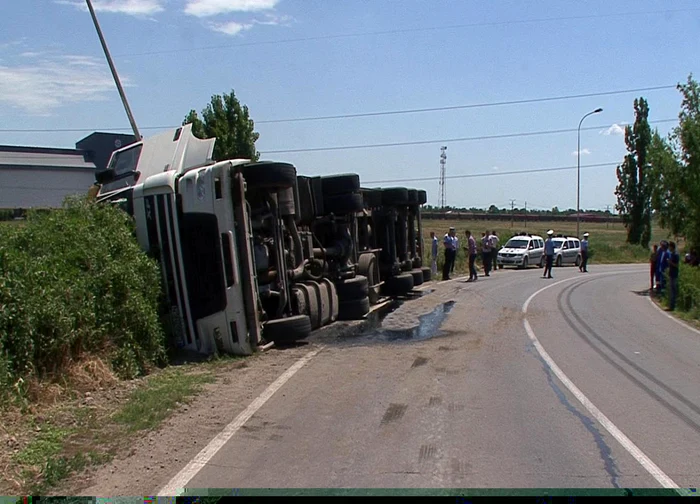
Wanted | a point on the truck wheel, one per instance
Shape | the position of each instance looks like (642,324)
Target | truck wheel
(269,175)
(311,303)
(427,274)
(413,196)
(352,289)
(417,277)
(343,203)
(395,196)
(324,313)
(287,329)
(398,285)
(334,185)
(422,197)
(332,297)
(372,197)
(367,266)
(353,310)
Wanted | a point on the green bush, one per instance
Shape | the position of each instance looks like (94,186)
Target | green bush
(688,299)
(606,253)
(74,280)
(6,214)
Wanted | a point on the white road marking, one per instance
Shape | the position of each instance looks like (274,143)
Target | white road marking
(687,326)
(176,485)
(626,443)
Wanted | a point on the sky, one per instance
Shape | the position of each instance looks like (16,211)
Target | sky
(291,59)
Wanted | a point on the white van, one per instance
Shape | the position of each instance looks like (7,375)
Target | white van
(522,251)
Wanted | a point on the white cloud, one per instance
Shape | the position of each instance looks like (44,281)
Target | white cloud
(131,7)
(42,85)
(615,129)
(205,8)
(584,152)
(231,28)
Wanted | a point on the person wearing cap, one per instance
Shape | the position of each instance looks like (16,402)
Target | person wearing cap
(433,254)
(583,267)
(450,245)
(549,254)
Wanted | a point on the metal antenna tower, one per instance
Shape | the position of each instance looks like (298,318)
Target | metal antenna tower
(443,160)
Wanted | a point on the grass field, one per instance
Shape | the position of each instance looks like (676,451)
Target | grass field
(607,242)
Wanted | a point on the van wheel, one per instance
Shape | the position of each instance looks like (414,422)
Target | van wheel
(541,264)
(269,175)
(578,260)
(559,262)
(287,329)
(353,310)
(525,263)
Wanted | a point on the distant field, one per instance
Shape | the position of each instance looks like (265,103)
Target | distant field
(607,241)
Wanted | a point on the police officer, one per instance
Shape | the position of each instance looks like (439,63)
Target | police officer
(583,267)
(549,254)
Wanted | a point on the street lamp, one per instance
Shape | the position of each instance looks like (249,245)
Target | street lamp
(578,173)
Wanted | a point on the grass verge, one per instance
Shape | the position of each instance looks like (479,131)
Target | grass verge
(49,444)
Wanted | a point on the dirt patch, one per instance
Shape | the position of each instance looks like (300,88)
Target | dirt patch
(93,431)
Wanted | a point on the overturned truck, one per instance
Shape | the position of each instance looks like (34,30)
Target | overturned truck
(252,252)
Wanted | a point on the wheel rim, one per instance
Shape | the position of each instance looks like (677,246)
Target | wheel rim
(559,261)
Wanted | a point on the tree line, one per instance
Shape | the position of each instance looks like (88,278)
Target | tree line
(660,176)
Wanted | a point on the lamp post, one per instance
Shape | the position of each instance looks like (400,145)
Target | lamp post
(578,173)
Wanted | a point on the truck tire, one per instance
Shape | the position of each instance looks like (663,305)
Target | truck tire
(413,196)
(353,310)
(269,175)
(311,304)
(395,196)
(332,297)
(324,302)
(417,277)
(287,329)
(344,183)
(352,289)
(427,274)
(372,197)
(398,285)
(343,203)
(422,197)
(368,266)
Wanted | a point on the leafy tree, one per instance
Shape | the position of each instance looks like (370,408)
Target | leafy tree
(229,121)
(634,176)
(676,168)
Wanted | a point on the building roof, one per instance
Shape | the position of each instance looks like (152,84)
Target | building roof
(44,158)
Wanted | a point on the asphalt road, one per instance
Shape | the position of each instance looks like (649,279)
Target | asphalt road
(477,405)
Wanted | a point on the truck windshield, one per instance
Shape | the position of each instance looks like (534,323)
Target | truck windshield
(125,161)
(517,244)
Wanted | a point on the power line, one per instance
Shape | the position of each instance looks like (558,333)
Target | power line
(405,30)
(415,142)
(372,114)
(444,140)
(492,174)
(468,106)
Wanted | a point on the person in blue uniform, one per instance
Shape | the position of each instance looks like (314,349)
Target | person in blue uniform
(549,255)
(583,267)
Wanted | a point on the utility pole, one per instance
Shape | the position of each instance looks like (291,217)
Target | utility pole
(526,216)
(512,212)
(443,160)
(114,72)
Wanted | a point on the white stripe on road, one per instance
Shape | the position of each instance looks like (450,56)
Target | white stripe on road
(626,443)
(687,326)
(176,485)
